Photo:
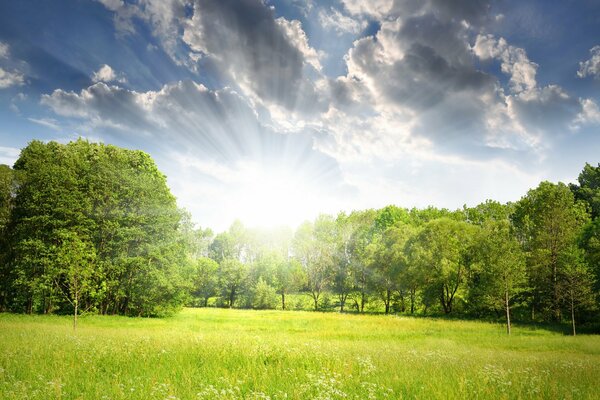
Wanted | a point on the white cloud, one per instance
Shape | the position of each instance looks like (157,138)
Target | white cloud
(590,113)
(340,23)
(8,155)
(46,122)
(107,74)
(514,60)
(297,37)
(591,67)
(10,78)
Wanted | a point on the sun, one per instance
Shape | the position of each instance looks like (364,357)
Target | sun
(270,197)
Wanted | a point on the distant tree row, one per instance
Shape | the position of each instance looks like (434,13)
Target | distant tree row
(539,257)
(91,227)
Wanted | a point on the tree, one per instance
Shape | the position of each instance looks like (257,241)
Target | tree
(314,247)
(342,282)
(264,295)
(441,251)
(206,279)
(288,278)
(74,269)
(7,190)
(232,279)
(548,222)
(575,284)
(390,262)
(361,256)
(499,269)
(588,189)
(116,199)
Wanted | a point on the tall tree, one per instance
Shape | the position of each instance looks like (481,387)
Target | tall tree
(120,201)
(588,189)
(575,286)
(499,270)
(206,279)
(441,251)
(7,190)
(233,275)
(314,247)
(390,263)
(548,222)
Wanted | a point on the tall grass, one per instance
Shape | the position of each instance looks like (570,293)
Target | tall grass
(234,354)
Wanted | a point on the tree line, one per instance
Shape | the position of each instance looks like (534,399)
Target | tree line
(92,227)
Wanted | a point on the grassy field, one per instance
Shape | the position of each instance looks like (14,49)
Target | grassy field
(235,354)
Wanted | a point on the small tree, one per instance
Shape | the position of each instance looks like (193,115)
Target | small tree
(75,260)
(499,267)
(265,296)
(575,286)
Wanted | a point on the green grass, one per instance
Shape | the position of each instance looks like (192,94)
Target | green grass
(231,354)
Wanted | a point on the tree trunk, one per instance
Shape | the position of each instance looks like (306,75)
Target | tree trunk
(412,301)
(573,314)
(387,301)
(507,306)
(362,302)
(206,302)
(282,300)
(75,304)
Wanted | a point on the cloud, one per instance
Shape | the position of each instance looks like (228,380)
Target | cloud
(590,113)
(591,67)
(3,50)
(47,122)
(107,74)
(266,57)
(514,61)
(8,155)
(340,23)
(10,78)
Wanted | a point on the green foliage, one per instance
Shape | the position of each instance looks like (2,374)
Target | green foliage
(265,296)
(588,189)
(548,222)
(117,202)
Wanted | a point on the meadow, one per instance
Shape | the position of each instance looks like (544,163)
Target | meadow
(244,354)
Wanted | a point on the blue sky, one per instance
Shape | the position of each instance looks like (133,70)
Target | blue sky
(273,111)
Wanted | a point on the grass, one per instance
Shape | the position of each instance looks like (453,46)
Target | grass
(234,354)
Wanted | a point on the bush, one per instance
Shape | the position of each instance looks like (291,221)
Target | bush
(265,296)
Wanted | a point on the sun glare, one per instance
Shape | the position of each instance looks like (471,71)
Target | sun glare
(272,198)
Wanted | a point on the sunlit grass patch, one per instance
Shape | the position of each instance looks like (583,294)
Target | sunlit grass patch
(235,354)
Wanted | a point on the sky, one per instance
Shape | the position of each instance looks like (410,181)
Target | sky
(273,111)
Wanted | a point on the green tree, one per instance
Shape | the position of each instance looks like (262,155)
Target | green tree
(265,296)
(548,222)
(74,276)
(7,190)
(233,275)
(575,286)
(206,279)
(588,189)
(499,272)
(391,262)
(314,247)
(120,201)
(441,252)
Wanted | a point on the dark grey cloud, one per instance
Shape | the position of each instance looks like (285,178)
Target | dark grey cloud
(269,56)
